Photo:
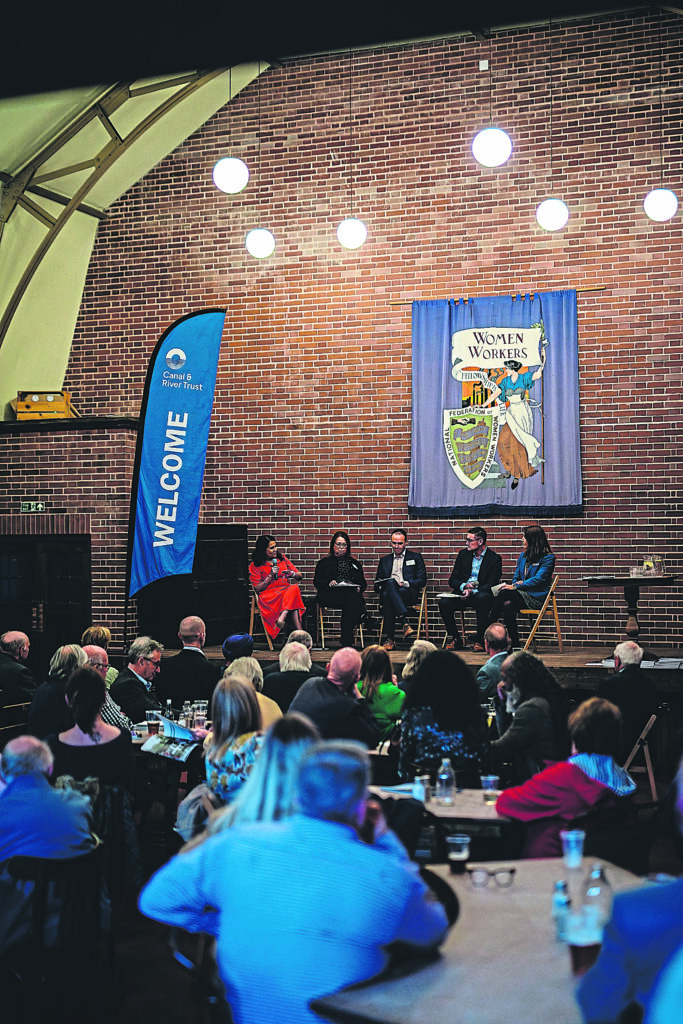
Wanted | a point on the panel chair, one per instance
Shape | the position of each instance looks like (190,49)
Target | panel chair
(642,744)
(255,610)
(463,630)
(549,609)
(419,609)
(322,611)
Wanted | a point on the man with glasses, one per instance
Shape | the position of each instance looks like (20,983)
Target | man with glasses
(133,689)
(477,569)
(111,712)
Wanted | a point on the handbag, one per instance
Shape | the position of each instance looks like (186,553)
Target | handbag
(194,810)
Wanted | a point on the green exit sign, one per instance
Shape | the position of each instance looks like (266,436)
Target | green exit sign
(33,506)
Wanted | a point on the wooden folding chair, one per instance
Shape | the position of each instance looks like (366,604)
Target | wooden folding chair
(321,624)
(549,608)
(463,629)
(642,744)
(254,610)
(420,609)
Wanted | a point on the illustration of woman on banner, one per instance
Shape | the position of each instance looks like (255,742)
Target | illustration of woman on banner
(517,445)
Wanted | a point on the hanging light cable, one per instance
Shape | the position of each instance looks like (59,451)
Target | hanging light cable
(491,147)
(230,174)
(260,242)
(351,232)
(660,204)
(552,214)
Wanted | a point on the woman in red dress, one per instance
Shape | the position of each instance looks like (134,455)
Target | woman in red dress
(273,577)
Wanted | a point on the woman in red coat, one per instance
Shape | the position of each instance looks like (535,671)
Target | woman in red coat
(273,577)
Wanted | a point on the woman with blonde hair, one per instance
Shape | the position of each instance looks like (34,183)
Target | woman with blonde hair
(416,655)
(250,669)
(232,746)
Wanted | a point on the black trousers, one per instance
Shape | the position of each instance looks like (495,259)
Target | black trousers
(507,604)
(450,606)
(352,605)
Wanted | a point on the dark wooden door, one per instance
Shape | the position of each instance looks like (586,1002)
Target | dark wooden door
(45,592)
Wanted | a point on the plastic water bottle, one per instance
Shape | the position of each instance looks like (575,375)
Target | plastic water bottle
(560,907)
(445,784)
(598,896)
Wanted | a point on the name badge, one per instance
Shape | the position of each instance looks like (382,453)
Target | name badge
(411,562)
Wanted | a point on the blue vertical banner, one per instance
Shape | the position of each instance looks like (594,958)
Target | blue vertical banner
(171,448)
(495,426)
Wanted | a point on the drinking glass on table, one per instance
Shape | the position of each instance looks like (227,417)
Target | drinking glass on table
(152,723)
(489,785)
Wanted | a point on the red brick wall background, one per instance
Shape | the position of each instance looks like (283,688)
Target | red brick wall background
(311,428)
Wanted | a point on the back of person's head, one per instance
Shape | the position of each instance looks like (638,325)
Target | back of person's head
(416,655)
(25,755)
(497,637)
(525,676)
(66,660)
(537,542)
(333,780)
(238,645)
(248,668)
(375,668)
(595,727)
(191,629)
(344,668)
(269,793)
(294,657)
(446,685)
(629,653)
(234,711)
(300,636)
(86,692)
(96,636)
(143,647)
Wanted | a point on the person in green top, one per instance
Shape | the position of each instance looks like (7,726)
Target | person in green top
(378,686)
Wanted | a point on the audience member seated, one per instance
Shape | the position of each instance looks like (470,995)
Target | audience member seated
(92,747)
(269,893)
(378,686)
(496,644)
(400,579)
(340,583)
(644,931)
(249,668)
(188,675)
(297,636)
(134,690)
(295,669)
(334,703)
(111,712)
(100,636)
(35,819)
(17,685)
(590,780)
(237,645)
(269,793)
(232,746)
(274,578)
(538,734)
(632,692)
(531,581)
(442,717)
(50,712)
(667,999)
(416,655)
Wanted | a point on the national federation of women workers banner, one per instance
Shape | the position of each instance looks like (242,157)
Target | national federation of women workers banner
(171,449)
(495,426)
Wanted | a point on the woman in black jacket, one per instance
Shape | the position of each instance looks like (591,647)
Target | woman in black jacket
(340,583)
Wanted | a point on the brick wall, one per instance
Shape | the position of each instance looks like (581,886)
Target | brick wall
(311,427)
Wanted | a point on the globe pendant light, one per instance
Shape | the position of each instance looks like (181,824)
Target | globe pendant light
(260,242)
(552,214)
(352,232)
(230,174)
(660,204)
(491,147)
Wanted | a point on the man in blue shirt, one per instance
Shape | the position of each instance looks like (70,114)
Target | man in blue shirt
(477,569)
(300,907)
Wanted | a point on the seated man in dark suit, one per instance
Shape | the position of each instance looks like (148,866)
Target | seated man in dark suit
(477,568)
(133,689)
(189,675)
(335,705)
(17,685)
(400,579)
(633,693)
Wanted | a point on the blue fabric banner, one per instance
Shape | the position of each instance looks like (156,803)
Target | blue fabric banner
(495,425)
(171,450)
